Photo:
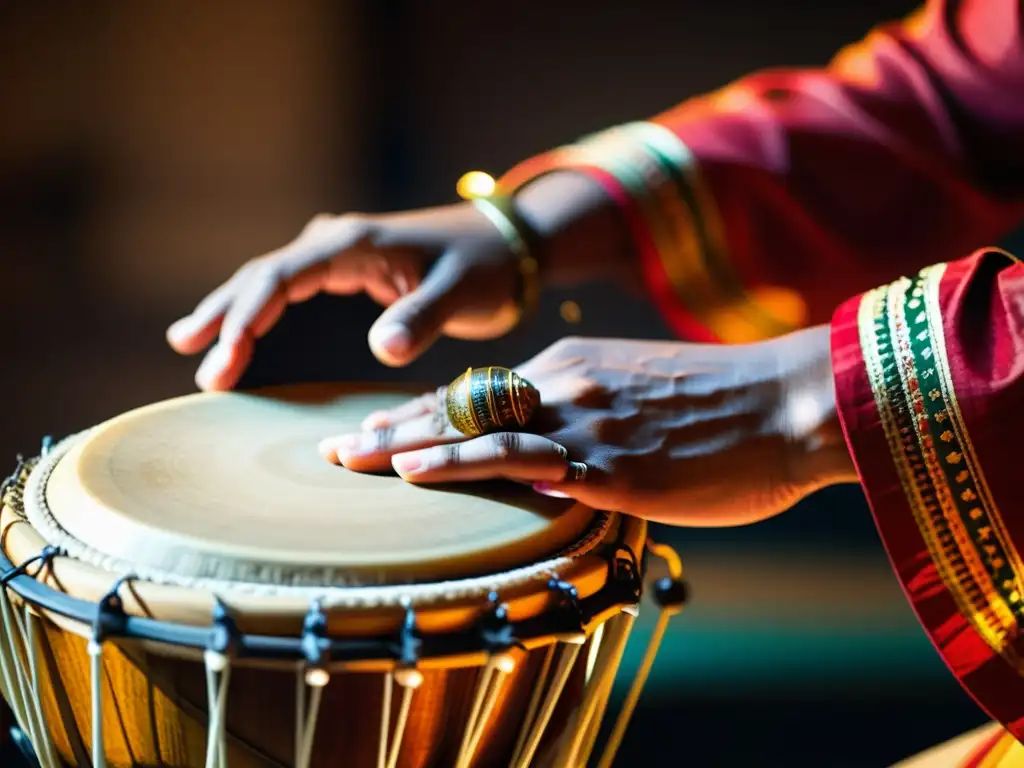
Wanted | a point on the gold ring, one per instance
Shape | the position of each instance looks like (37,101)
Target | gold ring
(484,400)
(577,471)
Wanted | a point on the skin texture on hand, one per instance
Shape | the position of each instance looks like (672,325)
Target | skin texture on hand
(436,271)
(698,435)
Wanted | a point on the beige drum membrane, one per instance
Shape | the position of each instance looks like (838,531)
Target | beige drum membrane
(223,498)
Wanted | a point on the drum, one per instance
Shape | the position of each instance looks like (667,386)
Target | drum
(190,584)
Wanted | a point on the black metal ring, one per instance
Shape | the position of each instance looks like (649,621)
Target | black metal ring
(109,619)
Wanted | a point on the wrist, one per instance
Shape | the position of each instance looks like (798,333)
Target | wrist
(818,455)
(583,235)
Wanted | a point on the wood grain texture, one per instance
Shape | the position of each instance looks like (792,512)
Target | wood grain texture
(155,712)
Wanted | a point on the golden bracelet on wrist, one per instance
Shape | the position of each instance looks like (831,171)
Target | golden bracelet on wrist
(500,209)
(521,241)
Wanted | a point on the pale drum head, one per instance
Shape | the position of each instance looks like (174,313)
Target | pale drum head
(225,495)
(230,487)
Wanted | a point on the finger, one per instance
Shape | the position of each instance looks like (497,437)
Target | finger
(372,451)
(298,271)
(414,321)
(383,293)
(257,304)
(187,337)
(420,406)
(406,278)
(582,482)
(257,295)
(195,331)
(224,365)
(507,455)
(307,283)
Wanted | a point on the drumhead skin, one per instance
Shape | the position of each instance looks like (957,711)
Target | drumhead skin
(230,486)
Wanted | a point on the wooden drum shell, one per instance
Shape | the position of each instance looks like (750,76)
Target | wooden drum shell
(155,710)
(154,696)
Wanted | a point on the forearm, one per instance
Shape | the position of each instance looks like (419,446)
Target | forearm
(583,234)
(905,150)
(755,210)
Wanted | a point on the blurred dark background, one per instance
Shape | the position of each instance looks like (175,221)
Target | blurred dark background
(147,149)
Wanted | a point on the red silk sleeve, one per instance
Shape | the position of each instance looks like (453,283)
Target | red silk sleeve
(929,378)
(757,209)
(907,149)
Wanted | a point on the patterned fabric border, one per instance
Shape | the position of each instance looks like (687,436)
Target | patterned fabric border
(1005,753)
(662,178)
(695,259)
(904,350)
(725,288)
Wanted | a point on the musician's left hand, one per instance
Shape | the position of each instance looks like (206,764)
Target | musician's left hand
(680,433)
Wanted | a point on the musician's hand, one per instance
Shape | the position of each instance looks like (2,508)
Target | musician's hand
(437,271)
(679,433)
(467,292)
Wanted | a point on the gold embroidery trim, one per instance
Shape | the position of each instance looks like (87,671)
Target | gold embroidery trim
(991,611)
(663,180)
(1005,753)
(885,342)
(974,487)
(726,305)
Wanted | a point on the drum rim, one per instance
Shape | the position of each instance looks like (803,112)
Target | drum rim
(45,523)
(567,612)
(236,569)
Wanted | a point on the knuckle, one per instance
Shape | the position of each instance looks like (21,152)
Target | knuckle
(451,454)
(383,438)
(568,342)
(358,225)
(505,444)
(318,220)
(266,268)
(349,219)
(326,227)
(246,270)
(561,347)
(316,224)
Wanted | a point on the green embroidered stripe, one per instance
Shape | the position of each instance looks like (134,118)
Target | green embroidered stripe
(974,507)
(881,324)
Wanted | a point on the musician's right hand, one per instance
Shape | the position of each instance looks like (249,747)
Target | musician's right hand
(436,271)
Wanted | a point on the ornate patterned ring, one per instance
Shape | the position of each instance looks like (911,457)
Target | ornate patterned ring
(491,399)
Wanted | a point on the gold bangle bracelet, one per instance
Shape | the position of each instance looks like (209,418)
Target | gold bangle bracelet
(521,240)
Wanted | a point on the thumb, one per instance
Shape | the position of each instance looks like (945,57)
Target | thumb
(409,326)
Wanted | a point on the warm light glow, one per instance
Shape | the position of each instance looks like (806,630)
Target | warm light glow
(475,184)
(571,312)
(317,678)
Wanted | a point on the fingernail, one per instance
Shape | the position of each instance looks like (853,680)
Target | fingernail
(402,284)
(395,340)
(406,463)
(180,330)
(339,447)
(326,449)
(216,361)
(545,489)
